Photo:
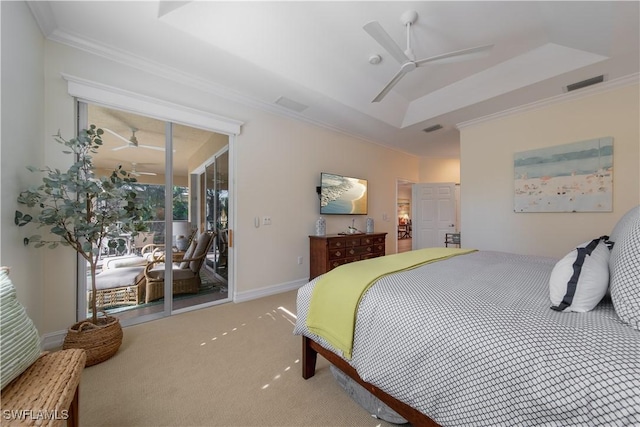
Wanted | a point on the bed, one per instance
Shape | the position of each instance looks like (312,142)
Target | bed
(471,340)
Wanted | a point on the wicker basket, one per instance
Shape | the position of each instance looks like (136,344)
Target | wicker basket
(100,341)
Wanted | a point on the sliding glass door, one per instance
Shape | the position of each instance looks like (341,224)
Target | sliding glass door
(132,281)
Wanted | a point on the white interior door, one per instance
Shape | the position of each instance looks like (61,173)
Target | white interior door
(434,214)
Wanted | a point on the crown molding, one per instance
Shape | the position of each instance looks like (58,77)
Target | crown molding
(161,70)
(607,86)
(41,11)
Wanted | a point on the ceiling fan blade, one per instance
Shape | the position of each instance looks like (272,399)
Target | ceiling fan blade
(458,55)
(117,135)
(121,147)
(378,33)
(151,147)
(390,85)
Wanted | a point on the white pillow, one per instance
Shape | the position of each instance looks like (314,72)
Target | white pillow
(580,280)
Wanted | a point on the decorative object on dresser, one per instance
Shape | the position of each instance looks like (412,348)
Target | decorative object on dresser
(330,251)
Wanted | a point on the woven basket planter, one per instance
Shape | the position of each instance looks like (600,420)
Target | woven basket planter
(100,341)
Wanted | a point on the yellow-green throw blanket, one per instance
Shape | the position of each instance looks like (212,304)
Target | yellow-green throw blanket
(336,295)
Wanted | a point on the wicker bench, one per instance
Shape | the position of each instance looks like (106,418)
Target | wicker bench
(46,394)
(38,389)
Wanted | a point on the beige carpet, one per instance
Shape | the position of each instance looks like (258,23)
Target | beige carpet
(229,365)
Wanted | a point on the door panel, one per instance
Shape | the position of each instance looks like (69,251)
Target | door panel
(434,212)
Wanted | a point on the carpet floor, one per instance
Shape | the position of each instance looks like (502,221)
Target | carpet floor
(228,365)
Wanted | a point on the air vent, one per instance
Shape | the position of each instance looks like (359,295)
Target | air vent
(432,128)
(291,104)
(585,83)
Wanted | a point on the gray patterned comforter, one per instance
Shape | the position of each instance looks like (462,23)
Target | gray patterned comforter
(471,341)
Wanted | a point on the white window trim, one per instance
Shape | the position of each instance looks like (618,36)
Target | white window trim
(109,96)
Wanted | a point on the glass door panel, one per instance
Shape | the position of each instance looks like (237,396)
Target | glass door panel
(136,144)
(206,286)
(217,202)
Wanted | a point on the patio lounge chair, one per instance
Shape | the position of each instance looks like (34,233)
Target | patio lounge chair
(186,273)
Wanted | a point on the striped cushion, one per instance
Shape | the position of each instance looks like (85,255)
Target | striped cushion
(18,335)
(625,273)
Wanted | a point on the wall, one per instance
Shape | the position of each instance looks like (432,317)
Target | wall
(487,179)
(277,163)
(435,169)
(21,144)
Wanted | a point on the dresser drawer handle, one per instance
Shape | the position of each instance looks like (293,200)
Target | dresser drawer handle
(338,244)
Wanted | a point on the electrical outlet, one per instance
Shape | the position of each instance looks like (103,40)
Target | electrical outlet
(266,220)
(299,260)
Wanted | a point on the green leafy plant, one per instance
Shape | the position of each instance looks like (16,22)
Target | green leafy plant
(81,210)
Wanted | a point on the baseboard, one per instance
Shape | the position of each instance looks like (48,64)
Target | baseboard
(53,340)
(270,290)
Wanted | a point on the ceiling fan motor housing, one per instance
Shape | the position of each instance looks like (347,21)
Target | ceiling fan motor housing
(409,17)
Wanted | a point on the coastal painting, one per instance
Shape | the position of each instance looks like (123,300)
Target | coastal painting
(575,177)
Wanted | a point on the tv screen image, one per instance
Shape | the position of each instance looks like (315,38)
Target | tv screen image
(342,195)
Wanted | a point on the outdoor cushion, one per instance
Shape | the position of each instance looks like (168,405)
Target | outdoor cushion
(118,277)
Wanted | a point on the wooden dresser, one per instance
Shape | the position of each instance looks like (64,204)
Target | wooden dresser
(328,252)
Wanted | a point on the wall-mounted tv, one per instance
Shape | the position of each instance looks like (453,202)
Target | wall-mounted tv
(342,195)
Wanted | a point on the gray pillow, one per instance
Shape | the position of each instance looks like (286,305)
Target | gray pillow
(18,335)
(624,267)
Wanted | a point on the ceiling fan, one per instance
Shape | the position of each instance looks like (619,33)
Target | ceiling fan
(407,58)
(132,142)
(134,172)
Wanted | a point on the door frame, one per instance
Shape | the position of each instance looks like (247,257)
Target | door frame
(87,91)
(399,182)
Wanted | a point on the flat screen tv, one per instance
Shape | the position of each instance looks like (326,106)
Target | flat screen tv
(342,195)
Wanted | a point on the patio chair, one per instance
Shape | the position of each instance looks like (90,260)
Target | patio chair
(149,252)
(186,273)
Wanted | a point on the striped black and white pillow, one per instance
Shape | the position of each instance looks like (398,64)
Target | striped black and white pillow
(625,274)
(580,280)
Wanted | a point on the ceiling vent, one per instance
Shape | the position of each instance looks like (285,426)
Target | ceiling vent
(585,83)
(290,104)
(432,128)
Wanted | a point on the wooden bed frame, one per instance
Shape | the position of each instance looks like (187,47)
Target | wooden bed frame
(310,350)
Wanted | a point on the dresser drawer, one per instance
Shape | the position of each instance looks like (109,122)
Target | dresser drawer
(337,253)
(371,240)
(337,243)
(378,248)
(336,263)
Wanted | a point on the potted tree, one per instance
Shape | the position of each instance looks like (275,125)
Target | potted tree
(84,212)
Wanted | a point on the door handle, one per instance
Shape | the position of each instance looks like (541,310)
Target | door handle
(230,238)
